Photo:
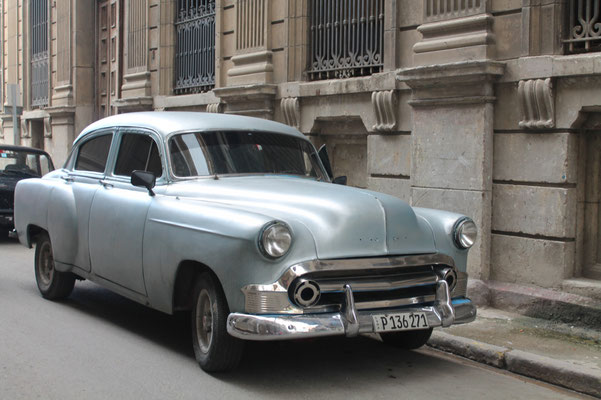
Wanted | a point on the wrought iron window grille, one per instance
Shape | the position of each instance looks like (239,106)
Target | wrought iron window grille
(39,52)
(195,48)
(347,38)
(584,26)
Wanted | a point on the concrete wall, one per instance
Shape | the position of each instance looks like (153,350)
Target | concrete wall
(486,114)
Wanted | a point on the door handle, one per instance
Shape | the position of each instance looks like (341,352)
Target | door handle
(106,184)
(67,178)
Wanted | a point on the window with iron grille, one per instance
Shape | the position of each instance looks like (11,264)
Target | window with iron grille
(195,49)
(346,38)
(584,26)
(39,52)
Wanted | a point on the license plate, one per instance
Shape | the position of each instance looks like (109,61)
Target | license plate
(400,321)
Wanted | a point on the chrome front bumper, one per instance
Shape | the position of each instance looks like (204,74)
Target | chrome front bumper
(349,321)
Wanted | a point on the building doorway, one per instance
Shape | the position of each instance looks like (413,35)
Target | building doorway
(36,128)
(589,194)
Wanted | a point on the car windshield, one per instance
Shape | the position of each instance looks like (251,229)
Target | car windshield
(24,163)
(242,152)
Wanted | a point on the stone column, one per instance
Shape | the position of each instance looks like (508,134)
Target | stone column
(249,89)
(136,88)
(452,149)
(72,102)
(59,138)
(62,93)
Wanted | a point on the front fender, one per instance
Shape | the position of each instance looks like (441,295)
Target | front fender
(441,223)
(31,198)
(222,237)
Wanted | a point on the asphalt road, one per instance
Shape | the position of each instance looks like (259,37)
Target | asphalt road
(97,345)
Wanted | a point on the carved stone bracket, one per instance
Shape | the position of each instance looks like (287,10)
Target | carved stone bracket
(384,104)
(291,110)
(47,128)
(214,108)
(536,103)
(25,128)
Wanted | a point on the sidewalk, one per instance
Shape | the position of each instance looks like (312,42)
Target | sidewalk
(557,353)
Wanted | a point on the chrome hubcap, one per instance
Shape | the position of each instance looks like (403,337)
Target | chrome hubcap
(46,265)
(204,321)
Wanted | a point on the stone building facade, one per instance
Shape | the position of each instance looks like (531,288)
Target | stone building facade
(491,108)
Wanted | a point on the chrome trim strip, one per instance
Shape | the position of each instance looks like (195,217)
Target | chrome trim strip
(353,264)
(371,283)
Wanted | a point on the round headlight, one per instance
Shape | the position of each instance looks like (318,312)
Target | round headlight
(465,233)
(275,240)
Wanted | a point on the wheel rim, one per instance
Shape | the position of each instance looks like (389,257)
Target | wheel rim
(204,321)
(46,265)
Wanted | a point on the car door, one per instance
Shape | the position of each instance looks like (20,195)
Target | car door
(71,200)
(119,210)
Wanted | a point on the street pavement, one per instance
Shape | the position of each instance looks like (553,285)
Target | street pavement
(98,345)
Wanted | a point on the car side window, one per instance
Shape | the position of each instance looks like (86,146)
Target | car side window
(93,154)
(138,152)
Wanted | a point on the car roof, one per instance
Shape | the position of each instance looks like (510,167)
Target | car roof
(166,122)
(22,148)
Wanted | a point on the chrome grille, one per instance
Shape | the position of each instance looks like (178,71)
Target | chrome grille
(377,289)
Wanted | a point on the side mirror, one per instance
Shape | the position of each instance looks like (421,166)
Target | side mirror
(339,180)
(325,159)
(144,179)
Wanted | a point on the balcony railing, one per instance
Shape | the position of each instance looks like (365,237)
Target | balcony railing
(346,38)
(584,26)
(195,51)
(438,10)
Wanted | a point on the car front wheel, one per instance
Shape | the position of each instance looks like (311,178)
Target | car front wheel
(407,340)
(214,348)
(52,284)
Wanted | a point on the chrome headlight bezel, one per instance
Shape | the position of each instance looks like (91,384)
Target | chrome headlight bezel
(462,238)
(270,250)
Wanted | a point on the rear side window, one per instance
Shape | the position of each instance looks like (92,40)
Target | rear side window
(138,152)
(93,154)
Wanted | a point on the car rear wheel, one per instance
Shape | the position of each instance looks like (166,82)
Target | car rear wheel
(52,284)
(214,349)
(407,340)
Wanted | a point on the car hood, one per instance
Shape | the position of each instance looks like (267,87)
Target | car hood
(344,221)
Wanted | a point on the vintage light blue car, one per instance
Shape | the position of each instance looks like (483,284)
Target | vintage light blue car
(236,219)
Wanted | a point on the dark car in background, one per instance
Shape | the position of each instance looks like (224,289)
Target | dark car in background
(17,163)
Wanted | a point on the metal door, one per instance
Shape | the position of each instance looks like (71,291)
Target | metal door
(117,220)
(109,17)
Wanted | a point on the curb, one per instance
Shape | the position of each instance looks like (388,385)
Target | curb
(537,302)
(557,372)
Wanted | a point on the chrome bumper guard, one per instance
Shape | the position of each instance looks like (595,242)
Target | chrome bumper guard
(349,321)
